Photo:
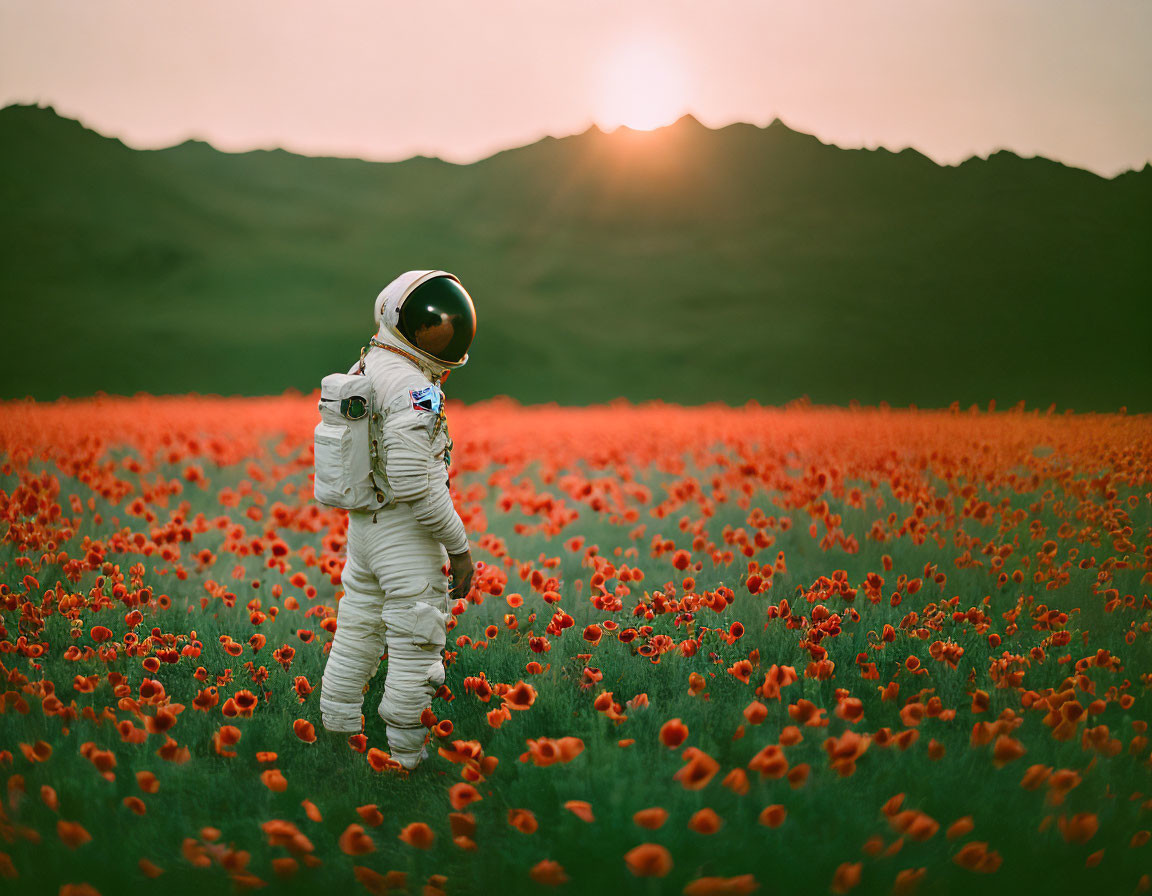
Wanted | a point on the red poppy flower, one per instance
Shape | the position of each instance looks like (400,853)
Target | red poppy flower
(418,835)
(648,860)
(548,873)
(72,834)
(523,820)
(355,842)
(673,733)
(652,818)
(698,769)
(706,821)
(460,795)
(371,815)
(773,816)
(742,885)
(580,809)
(304,730)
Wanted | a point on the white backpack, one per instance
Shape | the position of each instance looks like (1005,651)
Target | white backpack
(345,439)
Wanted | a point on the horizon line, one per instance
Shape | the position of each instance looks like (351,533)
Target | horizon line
(593,126)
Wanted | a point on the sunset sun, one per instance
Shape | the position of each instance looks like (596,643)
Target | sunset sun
(642,86)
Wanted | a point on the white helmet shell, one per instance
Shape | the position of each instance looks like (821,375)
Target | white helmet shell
(387,314)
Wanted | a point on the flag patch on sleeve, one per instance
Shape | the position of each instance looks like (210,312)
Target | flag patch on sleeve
(426,399)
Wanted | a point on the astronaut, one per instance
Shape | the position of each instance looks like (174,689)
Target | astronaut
(395,592)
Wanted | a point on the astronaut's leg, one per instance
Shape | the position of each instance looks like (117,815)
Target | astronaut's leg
(357,646)
(408,563)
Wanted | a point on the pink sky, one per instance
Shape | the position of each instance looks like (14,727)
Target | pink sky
(462,79)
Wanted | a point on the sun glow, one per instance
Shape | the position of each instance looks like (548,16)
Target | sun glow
(642,86)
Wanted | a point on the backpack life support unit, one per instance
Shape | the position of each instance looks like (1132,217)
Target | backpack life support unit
(347,444)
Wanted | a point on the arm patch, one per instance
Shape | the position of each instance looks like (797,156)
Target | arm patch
(427,399)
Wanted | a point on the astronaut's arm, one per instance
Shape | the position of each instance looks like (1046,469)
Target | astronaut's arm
(418,481)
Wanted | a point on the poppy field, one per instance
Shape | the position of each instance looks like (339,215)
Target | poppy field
(707,650)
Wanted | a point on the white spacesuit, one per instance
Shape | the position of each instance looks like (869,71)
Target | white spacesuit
(395,591)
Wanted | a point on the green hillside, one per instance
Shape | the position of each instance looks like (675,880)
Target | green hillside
(686,264)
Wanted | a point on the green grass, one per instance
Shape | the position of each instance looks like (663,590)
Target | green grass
(828,820)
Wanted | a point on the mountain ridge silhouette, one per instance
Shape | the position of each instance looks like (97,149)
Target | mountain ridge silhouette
(694,264)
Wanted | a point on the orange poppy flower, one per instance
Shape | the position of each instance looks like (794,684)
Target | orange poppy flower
(206,699)
(742,885)
(312,811)
(1007,749)
(245,702)
(40,751)
(460,795)
(304,730)
(355,842)
(845,750)
(699,769)
(521,696)
(580,809)
(227,736)
(545,751)
(379,760)
(497,717)
(72,834)
(775,679)
(850,709)
(975,856)
(370,815)
(648,860)
(149,869)
(773,816)
(960,827)
(570,748)
(673,733)
(736,781)
(1080,828)
(147,782)
(755,712)
(462,824)
(770,762)
(548,873)
(1035,776)
(284,833)
(652,818)
(798,775)
(523,820)
(418,835)
(907,881)
(135,804)
(274,780)
(705,821)
(847,877)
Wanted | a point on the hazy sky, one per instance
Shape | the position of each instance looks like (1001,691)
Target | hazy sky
(461,79)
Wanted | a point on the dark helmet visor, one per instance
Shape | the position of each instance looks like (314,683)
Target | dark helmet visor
(438,317)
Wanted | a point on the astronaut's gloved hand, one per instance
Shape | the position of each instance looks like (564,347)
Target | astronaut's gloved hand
(462,570)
